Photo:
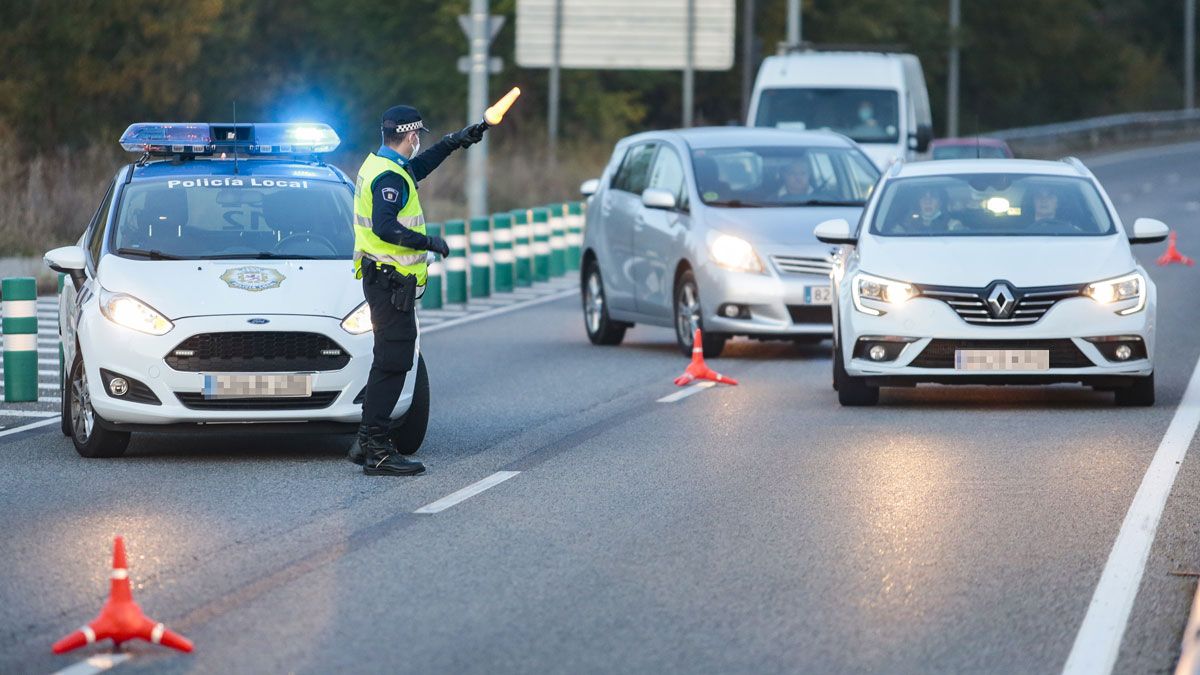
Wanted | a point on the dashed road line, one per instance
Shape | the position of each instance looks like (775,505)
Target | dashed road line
(687,391)
(94,664)
(28,413)
(1099,639)
(467,492)
(31,425)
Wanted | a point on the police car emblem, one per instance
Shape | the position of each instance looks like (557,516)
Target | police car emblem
(252,278)
(390,194)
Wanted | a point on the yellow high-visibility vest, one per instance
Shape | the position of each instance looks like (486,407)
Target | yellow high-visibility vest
(366,243)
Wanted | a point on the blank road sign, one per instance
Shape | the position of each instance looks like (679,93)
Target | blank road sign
(625,34)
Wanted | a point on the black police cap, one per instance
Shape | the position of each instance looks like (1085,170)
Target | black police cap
(401,119)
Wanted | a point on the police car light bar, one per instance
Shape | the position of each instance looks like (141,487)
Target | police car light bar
(158,138)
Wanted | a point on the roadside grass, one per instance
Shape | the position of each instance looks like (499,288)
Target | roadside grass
(47,199)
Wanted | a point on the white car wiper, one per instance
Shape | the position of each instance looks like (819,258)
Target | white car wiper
(153,254)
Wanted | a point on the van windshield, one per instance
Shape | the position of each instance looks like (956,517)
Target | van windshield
(865,115)
(226,217)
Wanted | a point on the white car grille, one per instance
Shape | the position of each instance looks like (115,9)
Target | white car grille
(971,304)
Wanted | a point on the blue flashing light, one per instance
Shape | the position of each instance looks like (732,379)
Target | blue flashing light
(305,138)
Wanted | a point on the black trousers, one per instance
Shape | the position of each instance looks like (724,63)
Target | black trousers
(395,344)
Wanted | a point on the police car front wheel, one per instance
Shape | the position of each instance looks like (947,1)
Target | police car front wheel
(90,438)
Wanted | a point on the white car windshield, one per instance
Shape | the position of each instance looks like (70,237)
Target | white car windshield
(207,217)
(991,205)
(866,115)
(783,176)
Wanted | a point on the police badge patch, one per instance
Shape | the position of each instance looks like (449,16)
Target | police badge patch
(390,194)
(252,278)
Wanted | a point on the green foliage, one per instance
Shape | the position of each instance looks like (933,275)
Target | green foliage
(77,71)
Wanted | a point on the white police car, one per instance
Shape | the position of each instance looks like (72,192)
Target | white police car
(998,271)
(213,290)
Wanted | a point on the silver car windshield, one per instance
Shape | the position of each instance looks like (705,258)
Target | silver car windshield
(866,115)
(783,176)
(207,217)
(991,205)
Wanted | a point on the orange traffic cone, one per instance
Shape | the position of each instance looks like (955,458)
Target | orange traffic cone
(698,370)
(1173,255)
(121,619)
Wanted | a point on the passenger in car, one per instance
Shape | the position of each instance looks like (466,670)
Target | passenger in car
(1047,216)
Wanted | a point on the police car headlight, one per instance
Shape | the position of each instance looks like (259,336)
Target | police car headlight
(358,321)
(129,312)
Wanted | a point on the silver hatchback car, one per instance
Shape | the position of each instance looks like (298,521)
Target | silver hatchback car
(713,229)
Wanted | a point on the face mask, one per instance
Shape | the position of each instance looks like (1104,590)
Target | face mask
(416,147)
(864,114)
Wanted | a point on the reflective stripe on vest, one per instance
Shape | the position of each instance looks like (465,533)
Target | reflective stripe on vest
(366,243)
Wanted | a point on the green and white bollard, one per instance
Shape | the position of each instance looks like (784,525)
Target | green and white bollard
(558,241)
(437,271)
(20,322)
(481,258)
(456,264)
(522,247)
(541,244)
(574,234)
(502,252)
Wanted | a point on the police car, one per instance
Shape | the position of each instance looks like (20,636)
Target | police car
(213,290)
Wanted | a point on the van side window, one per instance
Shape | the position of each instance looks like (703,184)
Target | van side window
(97,228)
(668,175)
(634,173)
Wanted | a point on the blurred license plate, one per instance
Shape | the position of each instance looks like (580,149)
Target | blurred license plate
(818,295)
(257,386)
(1001,359)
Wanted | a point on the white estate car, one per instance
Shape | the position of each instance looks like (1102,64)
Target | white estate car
(214,294)
(992,272)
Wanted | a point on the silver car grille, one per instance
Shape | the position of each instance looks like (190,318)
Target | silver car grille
(794,264)
(971,304)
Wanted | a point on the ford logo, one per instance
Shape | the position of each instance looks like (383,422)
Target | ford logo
(258,322)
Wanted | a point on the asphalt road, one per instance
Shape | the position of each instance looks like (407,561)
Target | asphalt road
(758,528)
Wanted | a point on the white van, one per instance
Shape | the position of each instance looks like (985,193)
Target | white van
(877,99)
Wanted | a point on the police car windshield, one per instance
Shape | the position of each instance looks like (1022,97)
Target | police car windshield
(991,205)
(235,216)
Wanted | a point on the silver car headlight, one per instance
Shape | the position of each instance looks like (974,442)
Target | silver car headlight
(1121,289)
(733,253)
(358,321)
(129,312)
(868,288)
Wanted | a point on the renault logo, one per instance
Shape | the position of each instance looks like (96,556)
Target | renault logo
(1001,301)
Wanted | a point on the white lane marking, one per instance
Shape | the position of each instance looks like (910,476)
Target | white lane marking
(1099,639)
(467,492)
(94,664)
(31,425)
(501,310)
(687,391)
(28,413)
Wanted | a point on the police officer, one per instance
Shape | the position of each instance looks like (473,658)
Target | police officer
(389,254)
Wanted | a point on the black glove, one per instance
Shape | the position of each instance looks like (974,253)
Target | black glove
(439,246)
(467,136)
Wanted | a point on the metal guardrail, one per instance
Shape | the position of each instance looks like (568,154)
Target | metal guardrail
(1096,133)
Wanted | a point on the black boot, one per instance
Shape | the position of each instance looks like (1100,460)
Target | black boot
(382,458)
(358,451)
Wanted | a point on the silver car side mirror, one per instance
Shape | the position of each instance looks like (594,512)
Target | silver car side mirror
(655,198)
(1148,231)
(589,187)
(836,231)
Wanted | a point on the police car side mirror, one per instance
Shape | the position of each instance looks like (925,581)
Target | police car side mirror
(589,187)
(1148,231)
(69,260)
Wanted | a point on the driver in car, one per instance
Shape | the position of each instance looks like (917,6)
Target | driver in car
(929,217)
(797,181)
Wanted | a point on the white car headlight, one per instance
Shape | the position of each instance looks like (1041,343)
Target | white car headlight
(358,321)
(878,289)
(129,312)
(734,253)
(1111,291)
